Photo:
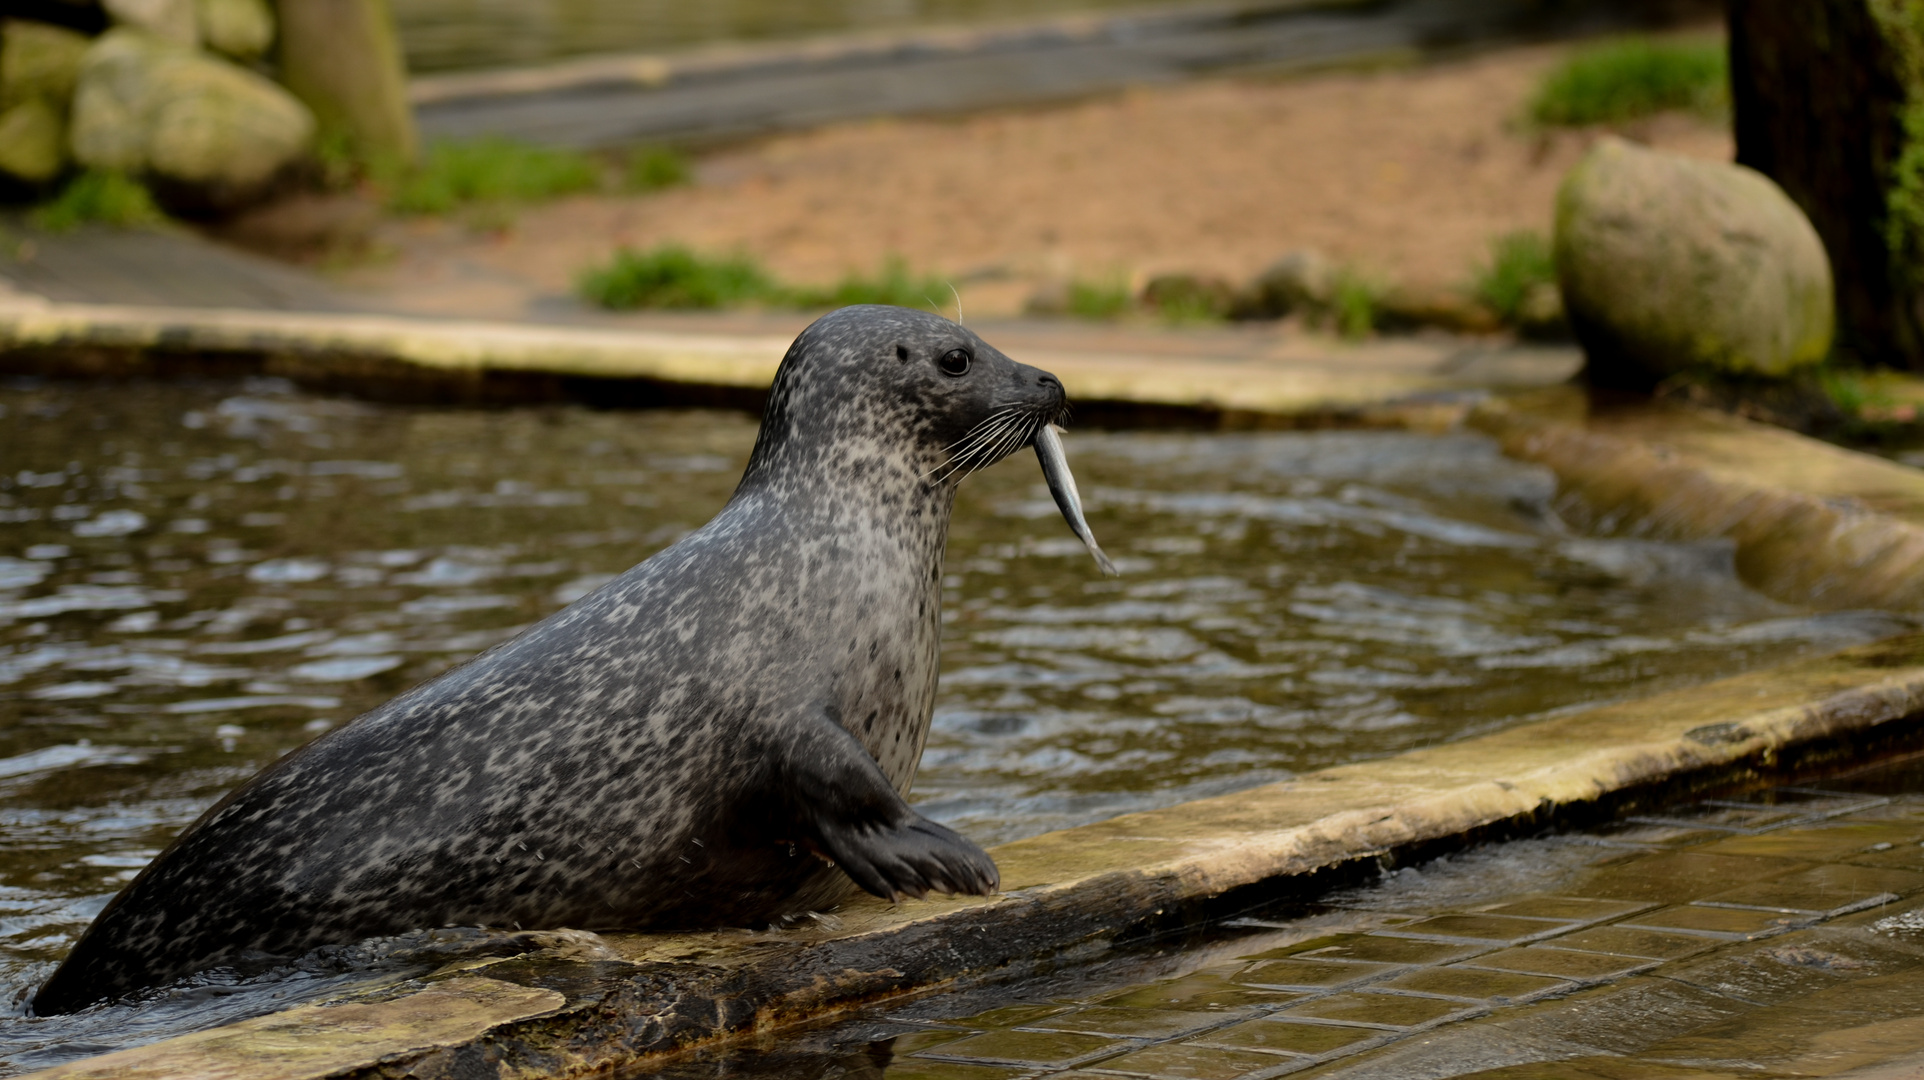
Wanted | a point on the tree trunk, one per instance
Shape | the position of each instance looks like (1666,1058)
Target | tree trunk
(1822,90)
(343,58)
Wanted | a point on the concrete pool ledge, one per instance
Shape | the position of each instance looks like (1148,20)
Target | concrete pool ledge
(1071,894)
(412,358)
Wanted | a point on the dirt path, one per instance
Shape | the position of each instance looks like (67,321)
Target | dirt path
(1407,174)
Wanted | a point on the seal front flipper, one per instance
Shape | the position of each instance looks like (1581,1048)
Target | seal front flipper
(850,813)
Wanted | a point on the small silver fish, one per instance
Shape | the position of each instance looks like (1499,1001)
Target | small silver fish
(1062,485)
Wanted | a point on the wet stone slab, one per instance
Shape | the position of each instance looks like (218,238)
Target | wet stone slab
(1789,945)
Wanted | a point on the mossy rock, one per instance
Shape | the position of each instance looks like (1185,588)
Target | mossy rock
(242,29)
(38,61)
(1300,281)
(169,20)
(211,132)
(1672,265)
(33,141)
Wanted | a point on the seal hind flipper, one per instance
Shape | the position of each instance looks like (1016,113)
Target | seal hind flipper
(850,813)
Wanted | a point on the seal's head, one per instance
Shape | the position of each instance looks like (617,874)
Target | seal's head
(892,387)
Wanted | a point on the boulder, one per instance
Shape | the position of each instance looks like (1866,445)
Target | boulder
(242,29)
(38,61)
(205,130)
(1669,264)
(1302,280)
(169,20)
(32,141)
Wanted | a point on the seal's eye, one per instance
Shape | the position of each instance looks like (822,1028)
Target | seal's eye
(955,362)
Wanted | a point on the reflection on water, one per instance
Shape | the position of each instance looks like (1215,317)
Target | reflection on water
(195,579)
(440,35)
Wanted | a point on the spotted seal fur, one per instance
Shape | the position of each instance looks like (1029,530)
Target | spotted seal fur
(720,736)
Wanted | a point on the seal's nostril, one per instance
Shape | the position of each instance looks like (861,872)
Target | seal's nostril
(1048,380)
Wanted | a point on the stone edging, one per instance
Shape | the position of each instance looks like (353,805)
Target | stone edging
(1810,523)
(1074,892)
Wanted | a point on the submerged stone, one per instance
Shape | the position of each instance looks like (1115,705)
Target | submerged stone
(1669,265)
(205,128)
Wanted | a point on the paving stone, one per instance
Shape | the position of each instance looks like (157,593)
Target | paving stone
(1392,950)
(1034,1049)
(1647,834)
(912,1069)
(1388,1010)
(1720,922)
(1129,1023)
(1480,1048)
(1897,810)
(1575,908)
(1756,978)
(1828,889)
(1561,963)
(1497,986)
(1901,855)
(1829,842)
(1309,974)
(1203,990)
(1626,1017)
(1807,800)
(1184,1061)
(1839,1029)
(1009,1015)
(1678,877)
(1713,816)
(1629,941)
(917,1041)
(1495,929)
(1285,1036)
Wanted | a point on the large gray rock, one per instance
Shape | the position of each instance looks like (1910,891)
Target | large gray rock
(198,125)
(242,29)
(1670,264)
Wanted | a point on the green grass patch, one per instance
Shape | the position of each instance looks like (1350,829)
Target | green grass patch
(1353,305)
(893,285)
(651,168)
(1100,299)
(1632,78)
(99,198)
(671,276)
(490,170)
(1519,261)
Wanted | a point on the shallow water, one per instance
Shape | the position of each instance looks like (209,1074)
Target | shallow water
(439,35)
(195,579)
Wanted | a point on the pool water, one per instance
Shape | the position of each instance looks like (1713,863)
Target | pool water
(196,578)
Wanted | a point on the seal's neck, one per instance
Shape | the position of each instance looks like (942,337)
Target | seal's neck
(867,484)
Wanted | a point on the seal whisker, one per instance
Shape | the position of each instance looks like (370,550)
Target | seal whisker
(976,438)
(1007,436)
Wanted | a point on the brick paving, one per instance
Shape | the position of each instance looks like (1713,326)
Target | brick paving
(1775,935)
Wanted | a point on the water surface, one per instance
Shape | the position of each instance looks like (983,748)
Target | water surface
(197,578)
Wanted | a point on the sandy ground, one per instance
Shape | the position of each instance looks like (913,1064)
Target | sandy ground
(1406,174)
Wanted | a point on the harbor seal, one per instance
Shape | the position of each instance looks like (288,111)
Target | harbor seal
(723,735)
